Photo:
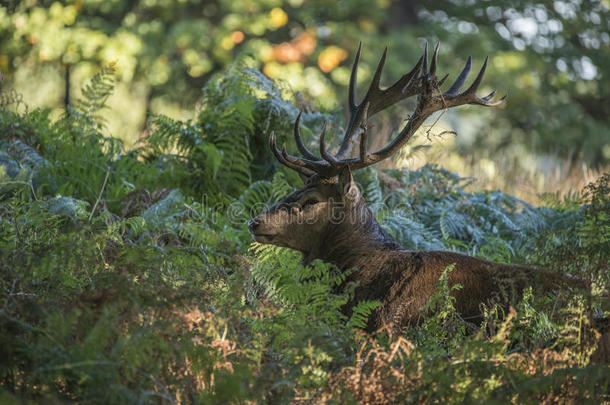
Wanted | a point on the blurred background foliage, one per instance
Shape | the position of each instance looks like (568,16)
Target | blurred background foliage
(551,57)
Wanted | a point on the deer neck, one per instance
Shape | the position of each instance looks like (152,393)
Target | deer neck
(347,243)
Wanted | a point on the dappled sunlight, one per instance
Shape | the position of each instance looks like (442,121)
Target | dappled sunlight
(527,176)
(163,63)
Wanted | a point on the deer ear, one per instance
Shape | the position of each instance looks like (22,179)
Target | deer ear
(347,185)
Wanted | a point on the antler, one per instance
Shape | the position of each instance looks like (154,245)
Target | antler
(421,81)
(377,98)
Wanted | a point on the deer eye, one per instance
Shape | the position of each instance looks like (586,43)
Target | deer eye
(310,201)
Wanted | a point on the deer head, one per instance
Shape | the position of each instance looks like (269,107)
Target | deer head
(329,213)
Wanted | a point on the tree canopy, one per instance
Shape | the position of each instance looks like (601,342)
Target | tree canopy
(551,58)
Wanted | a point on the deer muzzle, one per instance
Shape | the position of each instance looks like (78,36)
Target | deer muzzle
(259,233)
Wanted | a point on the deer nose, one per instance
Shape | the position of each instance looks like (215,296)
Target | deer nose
(253,224)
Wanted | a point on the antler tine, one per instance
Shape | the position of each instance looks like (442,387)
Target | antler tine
(404,87)
(425,66)
(302,162)
(377,77)
(440,82)
(364,134)
(299,140)
(394,145)
(451,98)
(379,99)
(282,158)
(434,57)
(489,96)
(486,100)
(477,81)
(461,79)
(352,80)
(327,156)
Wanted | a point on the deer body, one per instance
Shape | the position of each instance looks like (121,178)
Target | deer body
(403,280)
(381,269)
(328,219)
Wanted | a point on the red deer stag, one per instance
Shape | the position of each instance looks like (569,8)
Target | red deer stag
(328,219)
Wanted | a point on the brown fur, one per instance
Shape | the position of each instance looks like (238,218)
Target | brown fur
(403,282)
(382,270)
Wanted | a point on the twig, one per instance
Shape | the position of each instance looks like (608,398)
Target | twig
(27,183)
(445,108)
(99,197)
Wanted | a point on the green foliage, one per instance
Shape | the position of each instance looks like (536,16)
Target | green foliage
(550,57)
(545,72)
(444,324)
(96,93)
(238,111)
(581,244)
(165,52)
(129,276)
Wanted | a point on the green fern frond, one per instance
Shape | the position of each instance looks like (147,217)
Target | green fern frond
(368,180)
(361,313)
(96,93)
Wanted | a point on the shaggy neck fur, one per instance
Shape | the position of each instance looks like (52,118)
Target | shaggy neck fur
(349,243)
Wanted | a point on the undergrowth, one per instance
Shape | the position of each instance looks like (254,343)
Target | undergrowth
(129,275)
